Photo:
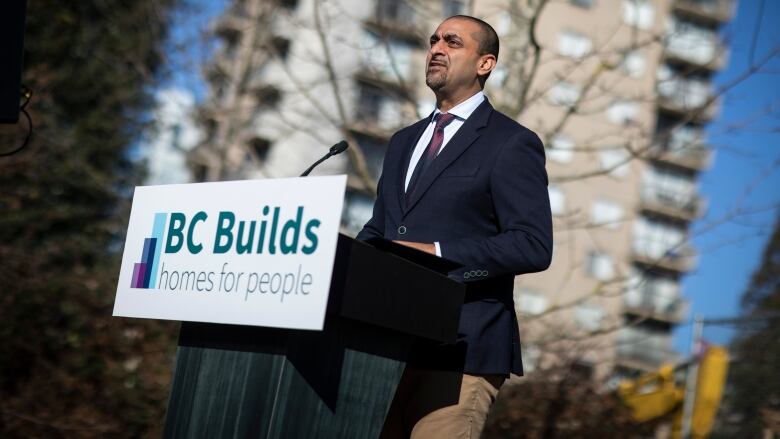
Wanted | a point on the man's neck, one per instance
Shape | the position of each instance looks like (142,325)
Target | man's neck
(445,101)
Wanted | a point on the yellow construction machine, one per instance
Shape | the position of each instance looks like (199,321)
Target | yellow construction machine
(657,395)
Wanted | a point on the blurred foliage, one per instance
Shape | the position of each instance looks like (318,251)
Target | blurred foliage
(561,403)
(752,403)
(68,368)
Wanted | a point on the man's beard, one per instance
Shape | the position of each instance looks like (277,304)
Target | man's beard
(436,80)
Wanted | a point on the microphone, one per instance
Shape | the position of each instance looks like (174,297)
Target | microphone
(335,149)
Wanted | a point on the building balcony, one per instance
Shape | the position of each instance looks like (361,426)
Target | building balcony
(648,304)
(386,62)
(674,205)
(398,18)
(681,102)
(384,80)
(370,129)
(712,12)
(402,30)
(680,259)
(709,54)
(644,357)
(377,112)
(693,156)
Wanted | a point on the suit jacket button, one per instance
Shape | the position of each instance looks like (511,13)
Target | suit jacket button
(402,230)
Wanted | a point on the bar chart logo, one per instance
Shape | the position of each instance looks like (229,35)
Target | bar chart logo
(145,272)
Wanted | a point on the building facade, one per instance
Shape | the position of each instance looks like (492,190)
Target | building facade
(618,90)
(173,136)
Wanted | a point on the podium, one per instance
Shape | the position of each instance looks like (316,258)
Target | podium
(253,382)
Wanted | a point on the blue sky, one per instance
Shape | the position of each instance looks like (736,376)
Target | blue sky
(190,45)
(744,177)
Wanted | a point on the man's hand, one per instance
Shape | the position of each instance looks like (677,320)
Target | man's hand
(428,248)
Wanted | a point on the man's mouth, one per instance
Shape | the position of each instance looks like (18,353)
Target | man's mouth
(433,64)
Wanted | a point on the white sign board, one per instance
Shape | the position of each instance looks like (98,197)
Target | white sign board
(255,252)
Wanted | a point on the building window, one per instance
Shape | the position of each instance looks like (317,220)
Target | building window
(259,147)
(588,316)
(377,107)
(280,47)
(564,93)
(615,161)
(267,96)
(638,13)
(530,302)
(687,92)
(395,10)
(389,58)
(373,152)
(561,149)
(623,112)
(557,200)
(453,7)
(653,292)
(289,4)
(582,3)
(692,42)
(681,137)
(599,266)
(358,209)
(633,63)
(606,213)
(669,187)
(573,44)
(656,239)
(646,345)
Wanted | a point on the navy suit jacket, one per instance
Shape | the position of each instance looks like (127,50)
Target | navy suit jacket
(484,199)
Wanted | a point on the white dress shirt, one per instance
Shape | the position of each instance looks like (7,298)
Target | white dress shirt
(461,112)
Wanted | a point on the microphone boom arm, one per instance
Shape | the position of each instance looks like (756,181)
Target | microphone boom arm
(334,150)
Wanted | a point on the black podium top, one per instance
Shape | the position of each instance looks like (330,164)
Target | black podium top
(397,287)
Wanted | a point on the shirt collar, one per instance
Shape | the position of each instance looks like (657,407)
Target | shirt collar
(465,108)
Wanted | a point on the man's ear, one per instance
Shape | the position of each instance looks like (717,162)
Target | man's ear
(486,64)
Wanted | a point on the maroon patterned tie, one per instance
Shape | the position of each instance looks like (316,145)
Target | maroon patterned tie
(431,151)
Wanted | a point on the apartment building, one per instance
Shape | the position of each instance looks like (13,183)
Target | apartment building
(172,137)
(619,91)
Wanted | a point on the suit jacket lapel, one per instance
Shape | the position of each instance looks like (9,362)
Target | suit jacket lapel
(465,136)
(409,143)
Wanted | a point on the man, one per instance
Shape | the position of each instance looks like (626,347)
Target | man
(468,184)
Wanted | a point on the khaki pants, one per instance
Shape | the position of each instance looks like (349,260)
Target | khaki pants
(432,404)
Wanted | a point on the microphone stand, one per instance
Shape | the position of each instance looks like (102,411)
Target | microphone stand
(334,150)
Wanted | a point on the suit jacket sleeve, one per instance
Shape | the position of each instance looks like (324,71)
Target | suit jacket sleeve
(518,186)
(375,227)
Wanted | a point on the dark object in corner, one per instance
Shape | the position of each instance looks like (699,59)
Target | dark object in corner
(12,15)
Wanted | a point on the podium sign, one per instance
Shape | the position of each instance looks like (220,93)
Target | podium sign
(256,252)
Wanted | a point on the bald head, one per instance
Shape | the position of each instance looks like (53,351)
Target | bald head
(462,55)
(486,35)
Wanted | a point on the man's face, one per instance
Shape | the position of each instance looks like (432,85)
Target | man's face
(453,59)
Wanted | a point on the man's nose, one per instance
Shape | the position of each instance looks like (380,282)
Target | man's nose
(437,48)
